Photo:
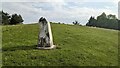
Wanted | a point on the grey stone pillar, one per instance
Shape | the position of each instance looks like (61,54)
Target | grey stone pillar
(45,39)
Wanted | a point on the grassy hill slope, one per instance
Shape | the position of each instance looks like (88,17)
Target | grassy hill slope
(78,46)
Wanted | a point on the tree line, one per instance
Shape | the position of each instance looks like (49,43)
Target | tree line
(104,21)
(7,19)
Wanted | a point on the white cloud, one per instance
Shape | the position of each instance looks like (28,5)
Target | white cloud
(31,14)
(60,1)
(28,12)
(119,11)
(32,0)
(0,6)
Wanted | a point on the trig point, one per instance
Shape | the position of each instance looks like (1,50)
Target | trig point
(45,39)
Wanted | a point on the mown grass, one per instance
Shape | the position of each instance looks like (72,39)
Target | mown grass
(78,46)
(0,46)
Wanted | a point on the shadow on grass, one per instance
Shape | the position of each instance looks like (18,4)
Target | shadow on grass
(23,47)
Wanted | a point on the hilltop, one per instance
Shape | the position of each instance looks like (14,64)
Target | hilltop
(77,46)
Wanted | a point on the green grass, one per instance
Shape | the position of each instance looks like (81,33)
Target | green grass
(78,46)
(0,46)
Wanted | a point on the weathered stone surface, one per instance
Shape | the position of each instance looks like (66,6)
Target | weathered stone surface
(45,39)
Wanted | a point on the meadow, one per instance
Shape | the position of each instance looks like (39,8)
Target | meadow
(76,46)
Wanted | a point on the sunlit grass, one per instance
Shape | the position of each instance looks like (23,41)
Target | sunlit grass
(78,46)
(0,45)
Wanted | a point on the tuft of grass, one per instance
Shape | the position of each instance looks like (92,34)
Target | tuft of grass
(76,46)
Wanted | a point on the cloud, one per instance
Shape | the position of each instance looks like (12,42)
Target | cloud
(60,1)
(32,0)
(119,10)
(0,6)
(28,12)
(58,10)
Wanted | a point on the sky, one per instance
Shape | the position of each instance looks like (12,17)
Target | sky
(64,11)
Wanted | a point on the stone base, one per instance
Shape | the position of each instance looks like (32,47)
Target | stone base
(47,48)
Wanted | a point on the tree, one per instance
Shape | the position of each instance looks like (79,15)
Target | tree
(104,21)
(110,16)
(73,22)
(76,22)
(5,18)
(20,19)
(91,22)
(118,24)
(58,22)
(112,22)
(16,19)
(0,17)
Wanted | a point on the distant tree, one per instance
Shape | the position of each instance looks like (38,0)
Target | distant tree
(91,22)
(113,24)
(104,21)
(73,22)
(110,16)
(118,24)
(16,19)
(51,22)
(5,18)
(0,17)
(58,22)
(20,19)
(76,22)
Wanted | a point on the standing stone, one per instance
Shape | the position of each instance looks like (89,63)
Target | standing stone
(45,39)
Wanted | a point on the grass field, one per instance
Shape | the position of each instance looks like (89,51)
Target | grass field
(77,46)
(0,45)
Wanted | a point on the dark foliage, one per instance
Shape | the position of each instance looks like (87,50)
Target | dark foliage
(16,19)
(6,19)
(76,23)
(0,17)
(104,21)
(91,22)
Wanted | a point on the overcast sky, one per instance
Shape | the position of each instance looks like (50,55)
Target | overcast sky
(65,11)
